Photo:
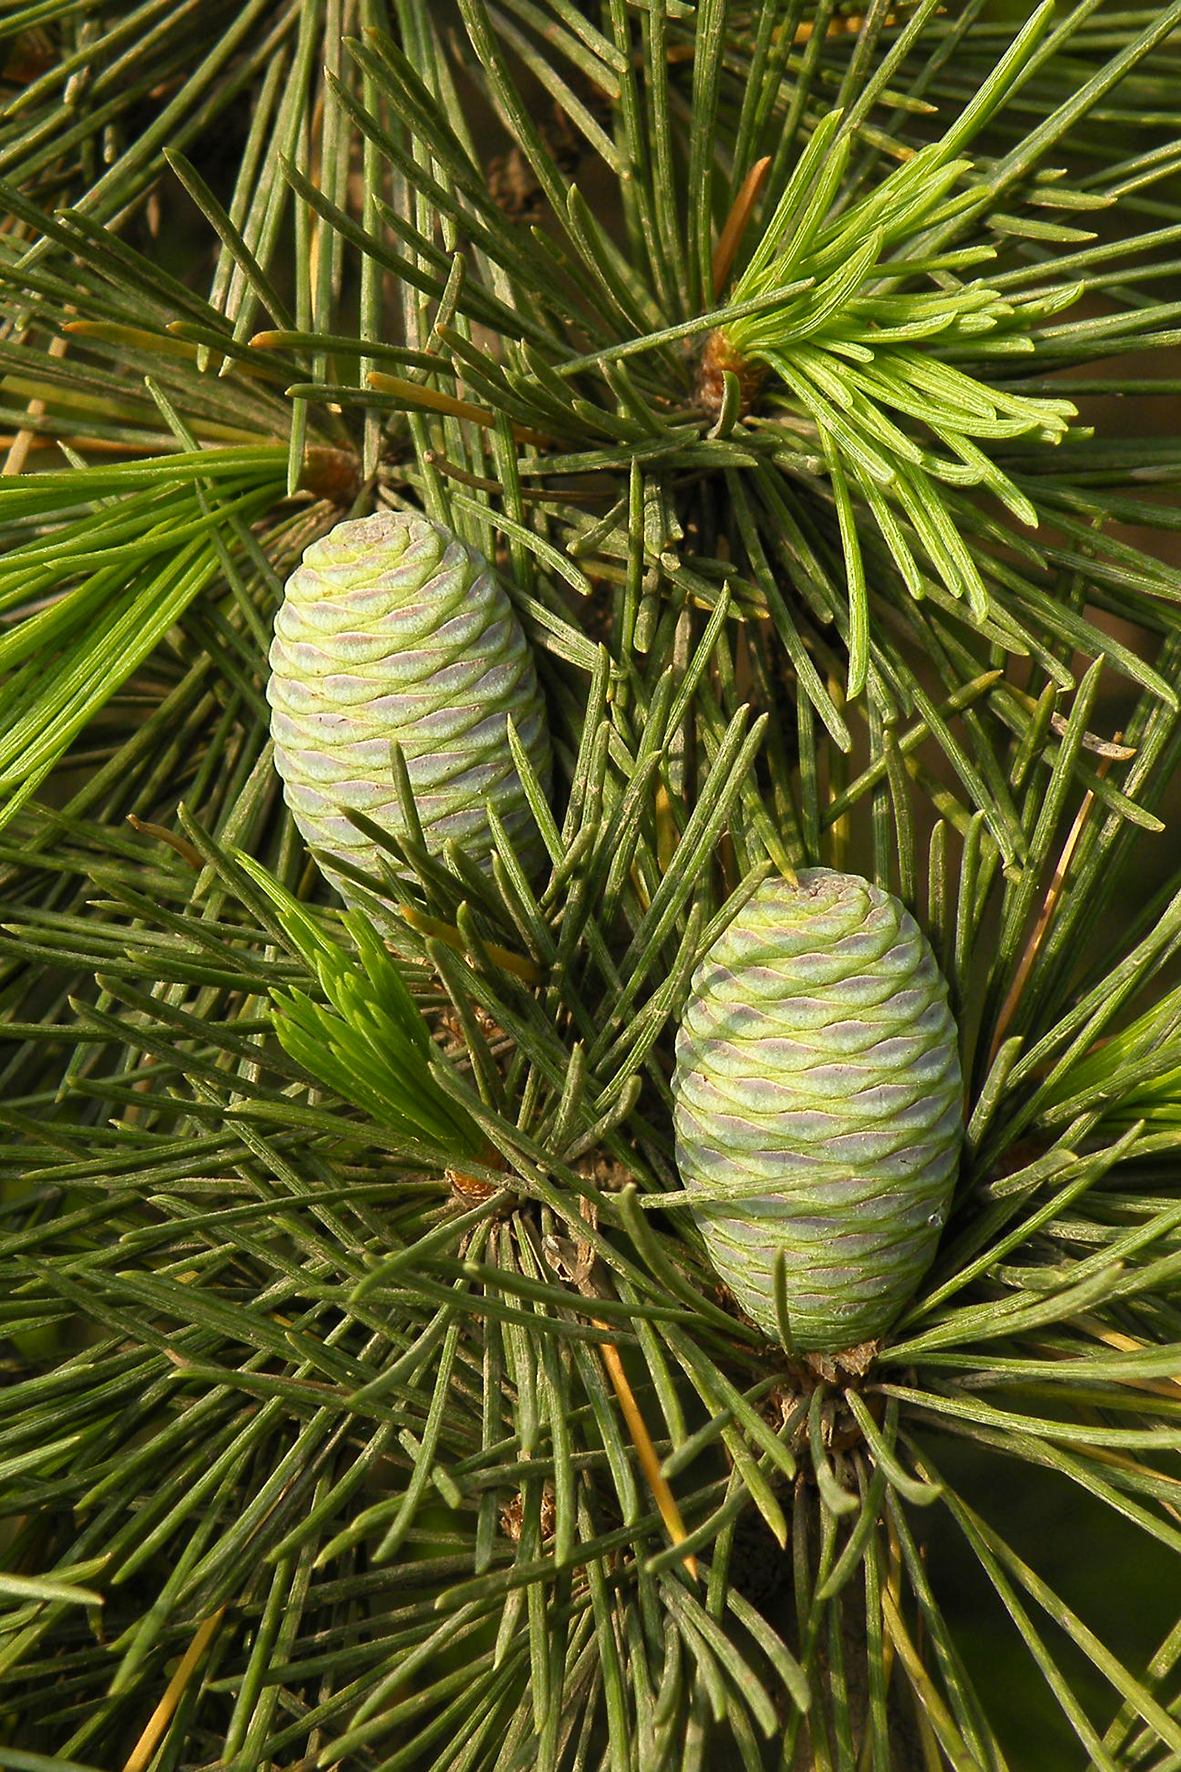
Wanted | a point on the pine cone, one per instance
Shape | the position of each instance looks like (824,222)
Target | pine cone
(817,1095)
(393,628)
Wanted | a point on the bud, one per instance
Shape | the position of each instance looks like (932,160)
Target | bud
(817,1093)
(394,629)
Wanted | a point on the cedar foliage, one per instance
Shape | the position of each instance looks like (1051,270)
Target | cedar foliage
(792,362)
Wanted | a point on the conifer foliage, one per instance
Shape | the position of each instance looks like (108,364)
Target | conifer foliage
(803,372)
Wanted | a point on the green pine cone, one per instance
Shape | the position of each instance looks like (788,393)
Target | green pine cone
(394,629)
(817,1094)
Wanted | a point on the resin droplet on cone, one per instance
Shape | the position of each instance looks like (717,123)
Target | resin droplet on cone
(817,1094)
(394,629)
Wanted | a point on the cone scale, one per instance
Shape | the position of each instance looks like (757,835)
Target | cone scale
(393,629)
(817,1106)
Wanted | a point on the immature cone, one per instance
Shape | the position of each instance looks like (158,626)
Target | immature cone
(394,629)
(817,1095)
